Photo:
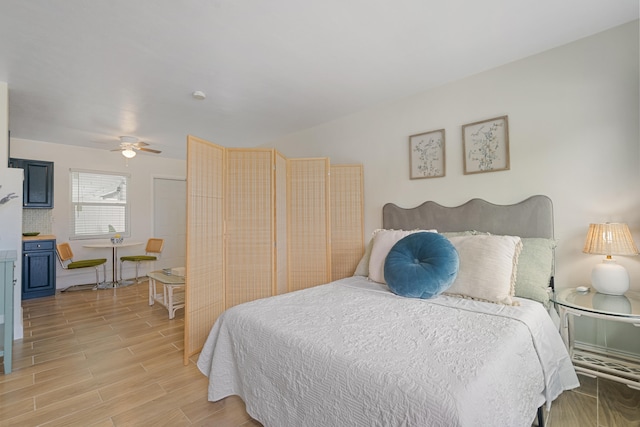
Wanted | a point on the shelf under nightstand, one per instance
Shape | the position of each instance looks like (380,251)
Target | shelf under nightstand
(592,361)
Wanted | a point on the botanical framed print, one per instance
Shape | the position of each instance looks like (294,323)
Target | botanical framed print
(486,145)
(427,154)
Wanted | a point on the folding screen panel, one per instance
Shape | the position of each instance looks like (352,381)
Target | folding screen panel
(204,290)
(259,224)
(281,223)
(250,206)
(308,223)
(347,219)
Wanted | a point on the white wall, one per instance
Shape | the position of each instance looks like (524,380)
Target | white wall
(574,136)
(142,169)
(4,123)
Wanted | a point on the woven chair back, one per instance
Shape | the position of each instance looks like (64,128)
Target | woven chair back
(154,246)
(64,252)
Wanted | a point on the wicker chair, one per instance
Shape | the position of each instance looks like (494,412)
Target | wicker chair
(154,248)
(65,256)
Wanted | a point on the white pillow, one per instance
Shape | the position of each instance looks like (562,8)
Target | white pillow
(383,241)
(363,266)
(488,267)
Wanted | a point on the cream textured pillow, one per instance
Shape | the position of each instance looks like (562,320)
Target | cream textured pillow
(383,241)
(362,268)
(488,267)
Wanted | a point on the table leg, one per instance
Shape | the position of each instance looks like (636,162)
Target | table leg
(564,327)
(164,294)
(114,267)
(172,311)
(118,282)
(152,291)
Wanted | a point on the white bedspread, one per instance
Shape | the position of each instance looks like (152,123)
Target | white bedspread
(351,353)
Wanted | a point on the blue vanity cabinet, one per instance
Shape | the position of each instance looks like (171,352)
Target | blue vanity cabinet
(37,186)
(7,262)
(38,268)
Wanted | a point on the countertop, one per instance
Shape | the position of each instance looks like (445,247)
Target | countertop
(38,237)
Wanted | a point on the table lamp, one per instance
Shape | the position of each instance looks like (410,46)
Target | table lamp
(609,239)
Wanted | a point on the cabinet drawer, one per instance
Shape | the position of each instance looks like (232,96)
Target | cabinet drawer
(38,245)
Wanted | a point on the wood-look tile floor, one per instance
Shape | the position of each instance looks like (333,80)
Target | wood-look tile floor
(596,403)
(107,358)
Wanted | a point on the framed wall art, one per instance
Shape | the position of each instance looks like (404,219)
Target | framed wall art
(486,145)
(427,154)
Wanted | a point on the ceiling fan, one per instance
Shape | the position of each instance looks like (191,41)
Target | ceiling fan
(130,144)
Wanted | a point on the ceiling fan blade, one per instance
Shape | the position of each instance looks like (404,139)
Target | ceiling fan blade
(149,150)
(140,144)
(118,149)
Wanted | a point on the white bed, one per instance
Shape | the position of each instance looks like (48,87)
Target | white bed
(352,353)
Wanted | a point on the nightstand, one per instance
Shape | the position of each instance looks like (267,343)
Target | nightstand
(592,362)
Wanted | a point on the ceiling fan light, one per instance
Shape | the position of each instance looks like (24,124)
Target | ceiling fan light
(128,153)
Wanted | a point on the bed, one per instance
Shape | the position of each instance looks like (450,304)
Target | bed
(354,353)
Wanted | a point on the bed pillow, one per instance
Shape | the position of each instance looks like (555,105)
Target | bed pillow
(488,267)
(362,269)
(449,234)
(535,267)
(383,241)
(421,265)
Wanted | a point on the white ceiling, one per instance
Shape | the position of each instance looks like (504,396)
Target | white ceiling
(84,72)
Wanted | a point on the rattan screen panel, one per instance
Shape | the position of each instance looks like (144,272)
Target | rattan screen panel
(347,219)
(308,223)
(281,223)
(249,225)
(204,290)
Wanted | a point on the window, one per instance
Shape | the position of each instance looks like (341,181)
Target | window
(99,204)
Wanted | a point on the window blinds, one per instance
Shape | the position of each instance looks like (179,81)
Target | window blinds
(99,204)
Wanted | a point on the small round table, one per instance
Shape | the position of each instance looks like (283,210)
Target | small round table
(114,259)
(591,361)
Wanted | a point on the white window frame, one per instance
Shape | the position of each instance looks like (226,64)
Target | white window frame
(113,194)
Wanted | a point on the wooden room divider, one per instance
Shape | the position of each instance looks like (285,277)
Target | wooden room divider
(259,224)
(347,219)
(309,223)
(250,231)
(204,269)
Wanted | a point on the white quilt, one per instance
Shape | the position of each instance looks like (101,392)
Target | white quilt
(351,353)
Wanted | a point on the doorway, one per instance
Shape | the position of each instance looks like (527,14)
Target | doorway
(170,220)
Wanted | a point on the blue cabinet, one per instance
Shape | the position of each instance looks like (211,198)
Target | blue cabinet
(38,268)
(37,188)
(7,259)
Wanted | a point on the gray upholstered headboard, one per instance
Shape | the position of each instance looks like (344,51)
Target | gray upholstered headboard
(532,217)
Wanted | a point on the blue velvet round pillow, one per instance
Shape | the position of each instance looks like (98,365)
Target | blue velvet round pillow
(421,265)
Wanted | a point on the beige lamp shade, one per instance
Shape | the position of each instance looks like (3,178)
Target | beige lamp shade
(608,239)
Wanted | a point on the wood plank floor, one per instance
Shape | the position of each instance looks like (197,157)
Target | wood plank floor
(107,358)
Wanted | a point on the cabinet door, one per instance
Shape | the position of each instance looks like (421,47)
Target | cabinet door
(38,182)
(6,308)
(38,274)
